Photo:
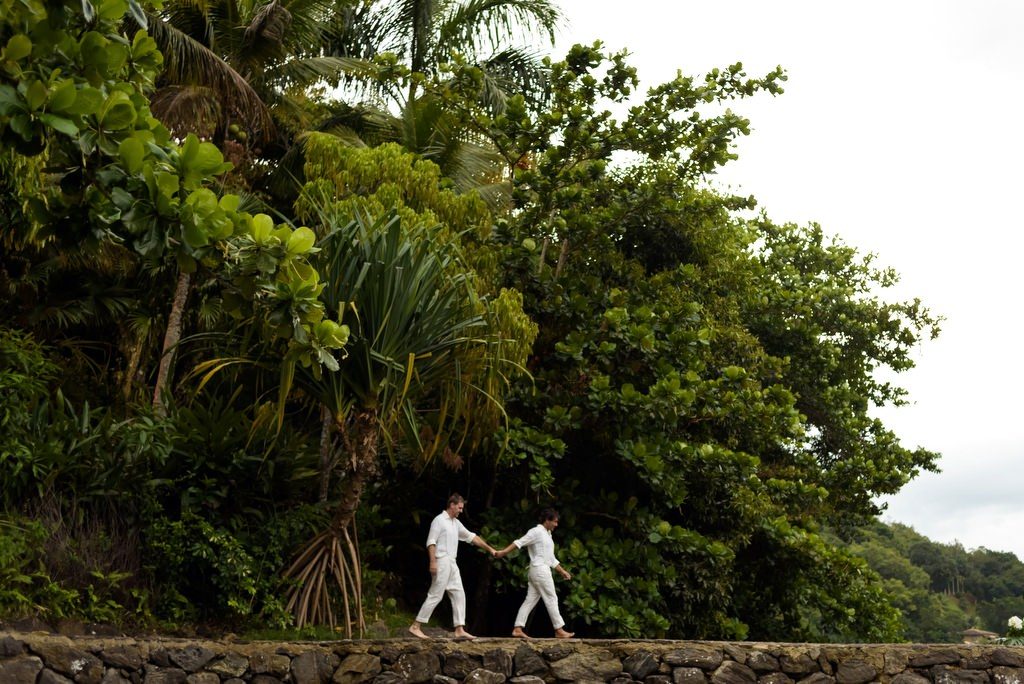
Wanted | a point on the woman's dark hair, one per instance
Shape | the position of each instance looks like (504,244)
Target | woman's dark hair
(548,514)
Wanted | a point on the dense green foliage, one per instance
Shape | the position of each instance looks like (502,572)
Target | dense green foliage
(691,384)
(942,589)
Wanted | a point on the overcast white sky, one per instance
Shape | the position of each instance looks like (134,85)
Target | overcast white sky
(901,131)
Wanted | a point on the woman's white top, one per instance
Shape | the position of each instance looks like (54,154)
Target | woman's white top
(445,534)
(541,545)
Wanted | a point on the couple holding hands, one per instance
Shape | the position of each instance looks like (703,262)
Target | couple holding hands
(442,547)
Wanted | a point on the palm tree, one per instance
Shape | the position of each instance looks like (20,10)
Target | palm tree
(237,60)
(498,36)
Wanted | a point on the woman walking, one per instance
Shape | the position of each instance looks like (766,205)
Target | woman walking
(542,586)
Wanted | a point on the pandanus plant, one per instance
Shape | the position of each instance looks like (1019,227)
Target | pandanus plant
(416,326)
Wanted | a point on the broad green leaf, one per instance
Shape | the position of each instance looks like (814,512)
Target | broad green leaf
(18,47)
(208,159)
(132,153)
(87,101)
(194,236)
(262,225)
(230,202)
(300,241)
(10,101)
(65,126)
(330,334)
(118,112)
(112,9)
(62,97)
(93,48)
(35,95)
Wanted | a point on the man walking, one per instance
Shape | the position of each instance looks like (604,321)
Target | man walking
(442,547)
(542,562)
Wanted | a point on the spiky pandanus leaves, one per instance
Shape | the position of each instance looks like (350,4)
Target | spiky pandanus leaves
(413,316)
(434,342)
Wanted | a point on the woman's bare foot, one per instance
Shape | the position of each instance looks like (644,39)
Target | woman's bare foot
(461,633)
(415,630)
(518,633)
(562,634)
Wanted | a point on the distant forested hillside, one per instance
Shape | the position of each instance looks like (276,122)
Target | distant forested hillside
(942,589)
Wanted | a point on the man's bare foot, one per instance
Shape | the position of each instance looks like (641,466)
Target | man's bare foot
(562,634)
(415,630)
(518,633)
(461,633)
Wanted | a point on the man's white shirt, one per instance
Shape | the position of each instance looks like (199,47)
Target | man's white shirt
(445,534)
(541,545)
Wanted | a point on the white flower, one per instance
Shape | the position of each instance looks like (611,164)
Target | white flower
(1015,622)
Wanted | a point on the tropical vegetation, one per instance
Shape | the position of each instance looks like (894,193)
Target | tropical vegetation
(231,400)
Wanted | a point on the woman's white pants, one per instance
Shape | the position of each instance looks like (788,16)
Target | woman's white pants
(448,580)
(542,586)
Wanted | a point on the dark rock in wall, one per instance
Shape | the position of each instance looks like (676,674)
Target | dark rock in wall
(482,676)
(1007,675)
(731,672)
(126,657)
(944,656)
(1004,656)
(695,656)
(357,668)
(458,664)
(759,661)
(597,665)
(799,664)
(526,661)
(855,672)
(51,677)
(418,667)
(20,669)
(688,675)
(909,678)
(191,658)
(775,678)
(641,664)
(943,674)
(498,660)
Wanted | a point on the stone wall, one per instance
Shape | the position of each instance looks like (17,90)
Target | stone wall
(39,658)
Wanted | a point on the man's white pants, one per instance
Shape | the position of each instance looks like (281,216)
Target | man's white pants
(447,579)
(542,586)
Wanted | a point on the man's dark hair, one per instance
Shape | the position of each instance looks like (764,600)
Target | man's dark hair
(548,514)
(455,498)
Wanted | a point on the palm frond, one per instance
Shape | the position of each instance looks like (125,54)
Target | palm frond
(188,109)
(465,23)
(264,37)
(311,70)
(189,62)
(514,71)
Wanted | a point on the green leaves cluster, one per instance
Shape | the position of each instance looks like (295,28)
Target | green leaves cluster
(693,387)
(74,88)
(708,376)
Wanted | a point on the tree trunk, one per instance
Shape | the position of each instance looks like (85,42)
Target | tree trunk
(331,559)
(326,462)
(171,338)
(561,258)
(134,358)
(362,444)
